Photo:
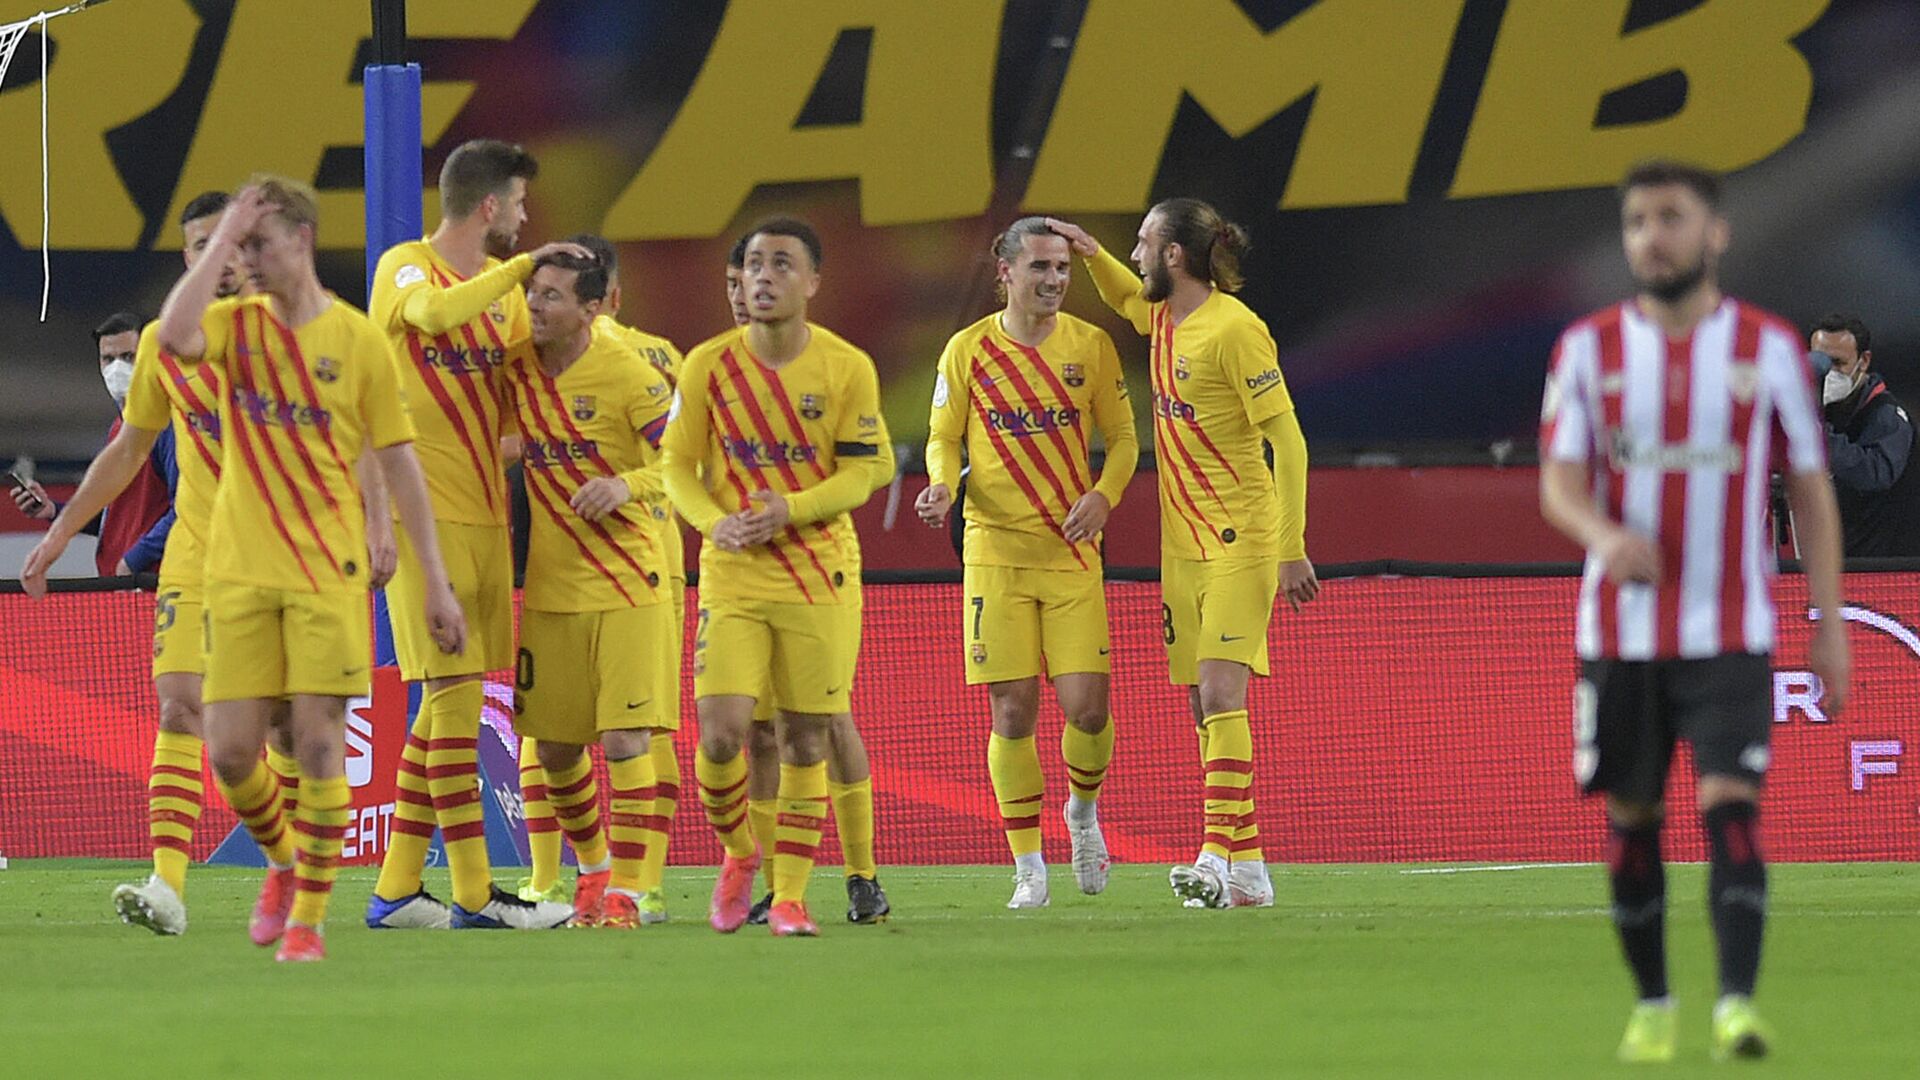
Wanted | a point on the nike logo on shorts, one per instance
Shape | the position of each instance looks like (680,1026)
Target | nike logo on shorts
(636,704)
(1235,637)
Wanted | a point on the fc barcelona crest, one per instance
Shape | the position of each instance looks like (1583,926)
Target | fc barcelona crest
(813,406)
(326,369)
(1074,375)
(1180,369)
(583,406)
(979,653)
(497,313)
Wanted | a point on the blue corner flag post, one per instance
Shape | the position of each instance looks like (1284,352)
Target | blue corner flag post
(393,196)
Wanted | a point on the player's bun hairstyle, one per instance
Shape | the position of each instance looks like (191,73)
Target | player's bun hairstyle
(737,258)
(1659,172)
(294,201)
(1006,246)
(479,168)
(785,226)
(1842,323)
(1214,246)
(590,280)
(205,204)
(602,249)
(120,322)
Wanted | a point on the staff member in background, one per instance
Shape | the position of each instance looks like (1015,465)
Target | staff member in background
(1869,445)
(133,529)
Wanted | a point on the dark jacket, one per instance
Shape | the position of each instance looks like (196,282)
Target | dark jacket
(1869,446)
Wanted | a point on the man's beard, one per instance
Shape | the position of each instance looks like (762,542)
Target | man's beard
(1678,286)
(1159,283)
(500,245)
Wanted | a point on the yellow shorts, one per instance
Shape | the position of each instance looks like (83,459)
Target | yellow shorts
(1216,609)
(1015,617)
(850,609)
(581,673)
(177,630)
(796,655)
(479,561)
(270,643)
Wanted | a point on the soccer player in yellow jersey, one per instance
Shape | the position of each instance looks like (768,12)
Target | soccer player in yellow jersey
(310,387)
(599,652)
(785,418)
(163,392)
(452,312)
(661,798)
(1017,389)
(1230,538)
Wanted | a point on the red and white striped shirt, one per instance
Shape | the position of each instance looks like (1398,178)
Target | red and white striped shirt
(1679,435)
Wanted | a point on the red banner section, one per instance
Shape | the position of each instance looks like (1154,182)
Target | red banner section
(1408,720)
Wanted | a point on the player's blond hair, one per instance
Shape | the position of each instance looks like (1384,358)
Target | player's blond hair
(294,201)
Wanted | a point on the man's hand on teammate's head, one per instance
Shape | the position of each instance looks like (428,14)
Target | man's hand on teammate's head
(445,621)
(1629,557)
(562,247)
(1087,518)
(1298,583)
(934,504)
(600,496)
(32,501)
(1831,658)
(1082,242)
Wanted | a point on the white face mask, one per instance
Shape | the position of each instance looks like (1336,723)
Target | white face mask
(1837,385)
(118,375)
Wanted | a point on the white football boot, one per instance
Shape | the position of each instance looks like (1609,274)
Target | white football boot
(153,905)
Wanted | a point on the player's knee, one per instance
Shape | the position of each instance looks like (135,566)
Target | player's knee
(1088,715)
(232,762)
(556,756)
(1718,790)
(626,744)
(803,739)
(180,714)
(1215,700)
(1015,707)
(1631,814)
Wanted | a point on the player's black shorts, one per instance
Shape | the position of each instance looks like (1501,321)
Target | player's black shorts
(1628,713)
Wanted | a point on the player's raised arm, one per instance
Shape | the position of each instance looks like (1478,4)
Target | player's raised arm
(181,332)
(1119,286)
(946,431)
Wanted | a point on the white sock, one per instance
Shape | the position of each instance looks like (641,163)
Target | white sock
(1081,811)
(1031,863)
(603,865)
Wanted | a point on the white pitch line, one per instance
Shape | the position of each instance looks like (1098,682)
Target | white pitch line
(1501,868)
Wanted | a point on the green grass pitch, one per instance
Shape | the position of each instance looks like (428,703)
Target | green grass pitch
(1359,971)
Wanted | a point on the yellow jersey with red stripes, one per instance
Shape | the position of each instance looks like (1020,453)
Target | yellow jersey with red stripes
(603,416)
(1216,379)
(1023,412)
(300,407)
(657,350)
(166,391)
(452,380)
(754,428)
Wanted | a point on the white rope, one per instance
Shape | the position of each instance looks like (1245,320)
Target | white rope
(11,35)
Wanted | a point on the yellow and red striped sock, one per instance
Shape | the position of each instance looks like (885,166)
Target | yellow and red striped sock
(853,820)
(628,812)
(1018,785)
(1229,784)
(325,806)
(803,814)
(543,829)
(666,803)
(286,771)
(453,780)
(257,801)
(723,793)
(576,802)
(175,794)
(411,833)
(1087,757)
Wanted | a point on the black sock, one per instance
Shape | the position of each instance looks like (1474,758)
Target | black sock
(1737,893)
(1639,880)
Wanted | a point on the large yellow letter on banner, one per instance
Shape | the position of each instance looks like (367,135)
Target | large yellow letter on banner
(1747,91)
(281,96)
(1373,67)
(109,67)
(922,150)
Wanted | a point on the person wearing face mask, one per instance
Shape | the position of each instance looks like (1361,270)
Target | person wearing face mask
(1869,443)
(133,529)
